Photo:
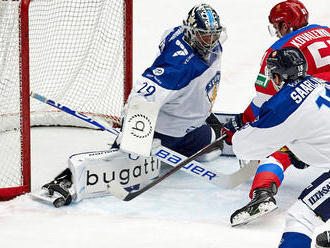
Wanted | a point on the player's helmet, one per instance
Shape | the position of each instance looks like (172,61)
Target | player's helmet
(291,12)
(202,29)
(289,63)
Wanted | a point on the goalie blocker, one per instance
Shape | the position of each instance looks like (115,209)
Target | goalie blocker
(89,174)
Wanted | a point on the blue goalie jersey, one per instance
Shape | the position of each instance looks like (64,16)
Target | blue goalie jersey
(182,83)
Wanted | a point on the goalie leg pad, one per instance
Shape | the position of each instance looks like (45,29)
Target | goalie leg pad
(91,172)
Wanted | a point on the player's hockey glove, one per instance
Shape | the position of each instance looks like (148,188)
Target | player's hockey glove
(284,154)
(217,127)
(231,127)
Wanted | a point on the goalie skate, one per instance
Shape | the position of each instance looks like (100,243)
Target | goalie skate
(55,199)
(56,192)
(262,203)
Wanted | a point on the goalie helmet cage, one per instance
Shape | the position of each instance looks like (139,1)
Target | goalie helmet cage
(78,53)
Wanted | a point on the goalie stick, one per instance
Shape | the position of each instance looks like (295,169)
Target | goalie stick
(203,171)
(115,189)
(72,112)
(170,157)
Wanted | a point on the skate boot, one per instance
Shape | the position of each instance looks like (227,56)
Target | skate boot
(323,240)
(262,202)
(57,192)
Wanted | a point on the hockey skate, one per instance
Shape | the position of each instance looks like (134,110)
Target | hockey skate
(56,192)
(262,202)
(323,240)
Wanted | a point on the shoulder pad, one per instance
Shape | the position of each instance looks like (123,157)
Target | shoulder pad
(177,64)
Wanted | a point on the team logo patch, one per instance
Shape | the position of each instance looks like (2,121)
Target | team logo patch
(158,71)
(212,87)
(262,80)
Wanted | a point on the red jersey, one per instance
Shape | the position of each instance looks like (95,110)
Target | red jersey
(313,41)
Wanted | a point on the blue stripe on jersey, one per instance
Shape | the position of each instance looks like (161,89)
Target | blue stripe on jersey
(177,64)
(255,109)
(273,168)
(279,107)
(281,42)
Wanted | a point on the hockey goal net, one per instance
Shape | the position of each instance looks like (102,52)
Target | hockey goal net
(74,52)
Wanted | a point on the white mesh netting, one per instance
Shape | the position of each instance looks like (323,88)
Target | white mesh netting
(76,59)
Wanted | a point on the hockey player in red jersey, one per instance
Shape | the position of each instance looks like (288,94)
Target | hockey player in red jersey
(289,21)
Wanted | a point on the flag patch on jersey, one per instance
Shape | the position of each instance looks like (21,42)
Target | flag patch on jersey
(212,87)
(262,80)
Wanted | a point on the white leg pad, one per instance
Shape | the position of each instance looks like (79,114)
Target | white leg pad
(92,171)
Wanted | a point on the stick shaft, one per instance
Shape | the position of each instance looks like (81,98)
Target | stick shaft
(204,150)
(74,113)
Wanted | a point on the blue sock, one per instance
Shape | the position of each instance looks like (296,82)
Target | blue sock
(294,240)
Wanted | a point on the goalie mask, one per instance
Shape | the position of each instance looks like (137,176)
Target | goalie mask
(202,29)
(289,63)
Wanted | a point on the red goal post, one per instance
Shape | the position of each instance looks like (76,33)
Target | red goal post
(76,52)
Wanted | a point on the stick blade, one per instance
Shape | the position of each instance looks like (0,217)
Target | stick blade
(247,171)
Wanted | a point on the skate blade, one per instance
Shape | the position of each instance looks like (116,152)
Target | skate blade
(43,197)
(249,219)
